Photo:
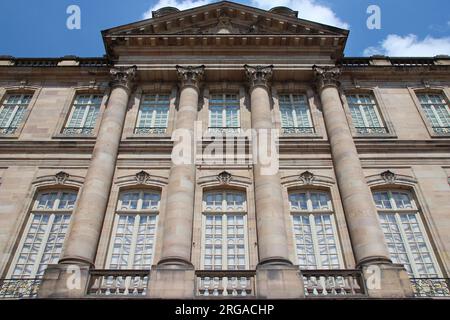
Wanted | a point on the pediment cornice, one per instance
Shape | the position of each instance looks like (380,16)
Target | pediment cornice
(224,23)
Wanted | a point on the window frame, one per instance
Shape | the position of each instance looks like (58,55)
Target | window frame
(361,105)
(138,212)
(224,214)
(153,117)
(22,90)
(52,213)
(415,209)
(223,104)
(311,214)
(381,110)
(88,107)
(294,119)
(415,92)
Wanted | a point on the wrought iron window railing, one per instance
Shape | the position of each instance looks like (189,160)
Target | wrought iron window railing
(333,283)
(297,130)
(221,283)
(19,288)
(87,131)
(118,282)
(8,130)
(431,287)
(224,130)
(371,130)
(150,130)
(441,130)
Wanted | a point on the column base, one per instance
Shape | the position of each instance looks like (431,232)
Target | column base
(64,281)
(279,281)
(385,280)
(167,282)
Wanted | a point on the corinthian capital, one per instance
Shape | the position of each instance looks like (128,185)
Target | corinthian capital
(258,75)
(122,76)
(327,76)
(190,75)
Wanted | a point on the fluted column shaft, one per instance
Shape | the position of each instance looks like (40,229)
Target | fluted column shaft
(272,240)
(179,215)
(87,220)
(361,215)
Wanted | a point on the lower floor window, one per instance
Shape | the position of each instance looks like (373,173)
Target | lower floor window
(42,244)
(315,240)
(133,241)
(408,245)
(225,242)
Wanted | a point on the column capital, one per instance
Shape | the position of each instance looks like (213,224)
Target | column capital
(190,75)
(327,76)
(258,75)
(122,76)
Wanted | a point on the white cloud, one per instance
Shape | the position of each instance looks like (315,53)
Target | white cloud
(180,4)
(410,46)
(308,9)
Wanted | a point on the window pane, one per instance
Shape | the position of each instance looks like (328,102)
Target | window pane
(154,111)
(298,201)
(224,111)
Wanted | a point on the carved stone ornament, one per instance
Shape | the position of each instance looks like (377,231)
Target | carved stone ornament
(327,76)
(61,177)
(190,75)
(123,76)
(224,177)
(142,177)
(388,176)
(307,177)
(258,75)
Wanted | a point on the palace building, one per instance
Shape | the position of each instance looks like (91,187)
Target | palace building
(92,203)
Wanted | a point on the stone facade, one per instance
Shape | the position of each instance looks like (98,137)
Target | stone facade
(259,57)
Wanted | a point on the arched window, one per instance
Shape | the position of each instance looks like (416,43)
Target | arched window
(133,241)
(314,229)
(224,231)
(405,234)
(44,235)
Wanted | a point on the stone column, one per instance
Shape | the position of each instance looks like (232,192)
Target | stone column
(366,235)
(175,267)
(80,246)
(276,276)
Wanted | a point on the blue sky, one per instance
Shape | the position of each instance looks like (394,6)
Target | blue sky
(408,27)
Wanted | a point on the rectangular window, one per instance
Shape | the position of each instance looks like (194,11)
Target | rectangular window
(134,233)
(83,116)
(225,235)
(44,236)
(365,115)
(224,113)
(314,231)
(404,233)
(295,114)
(12,111)
(437,111)
(153,114)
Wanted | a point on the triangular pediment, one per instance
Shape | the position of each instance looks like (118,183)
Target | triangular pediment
(224,18)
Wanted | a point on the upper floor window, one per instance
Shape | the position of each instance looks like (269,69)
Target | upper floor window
(314,230)
(224,231)
(295,114)
(153,114)
(133,241)
(12,111)
(44,235)
(84,114)
(437,110)
(365,114)
(405,234)
(224,113)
